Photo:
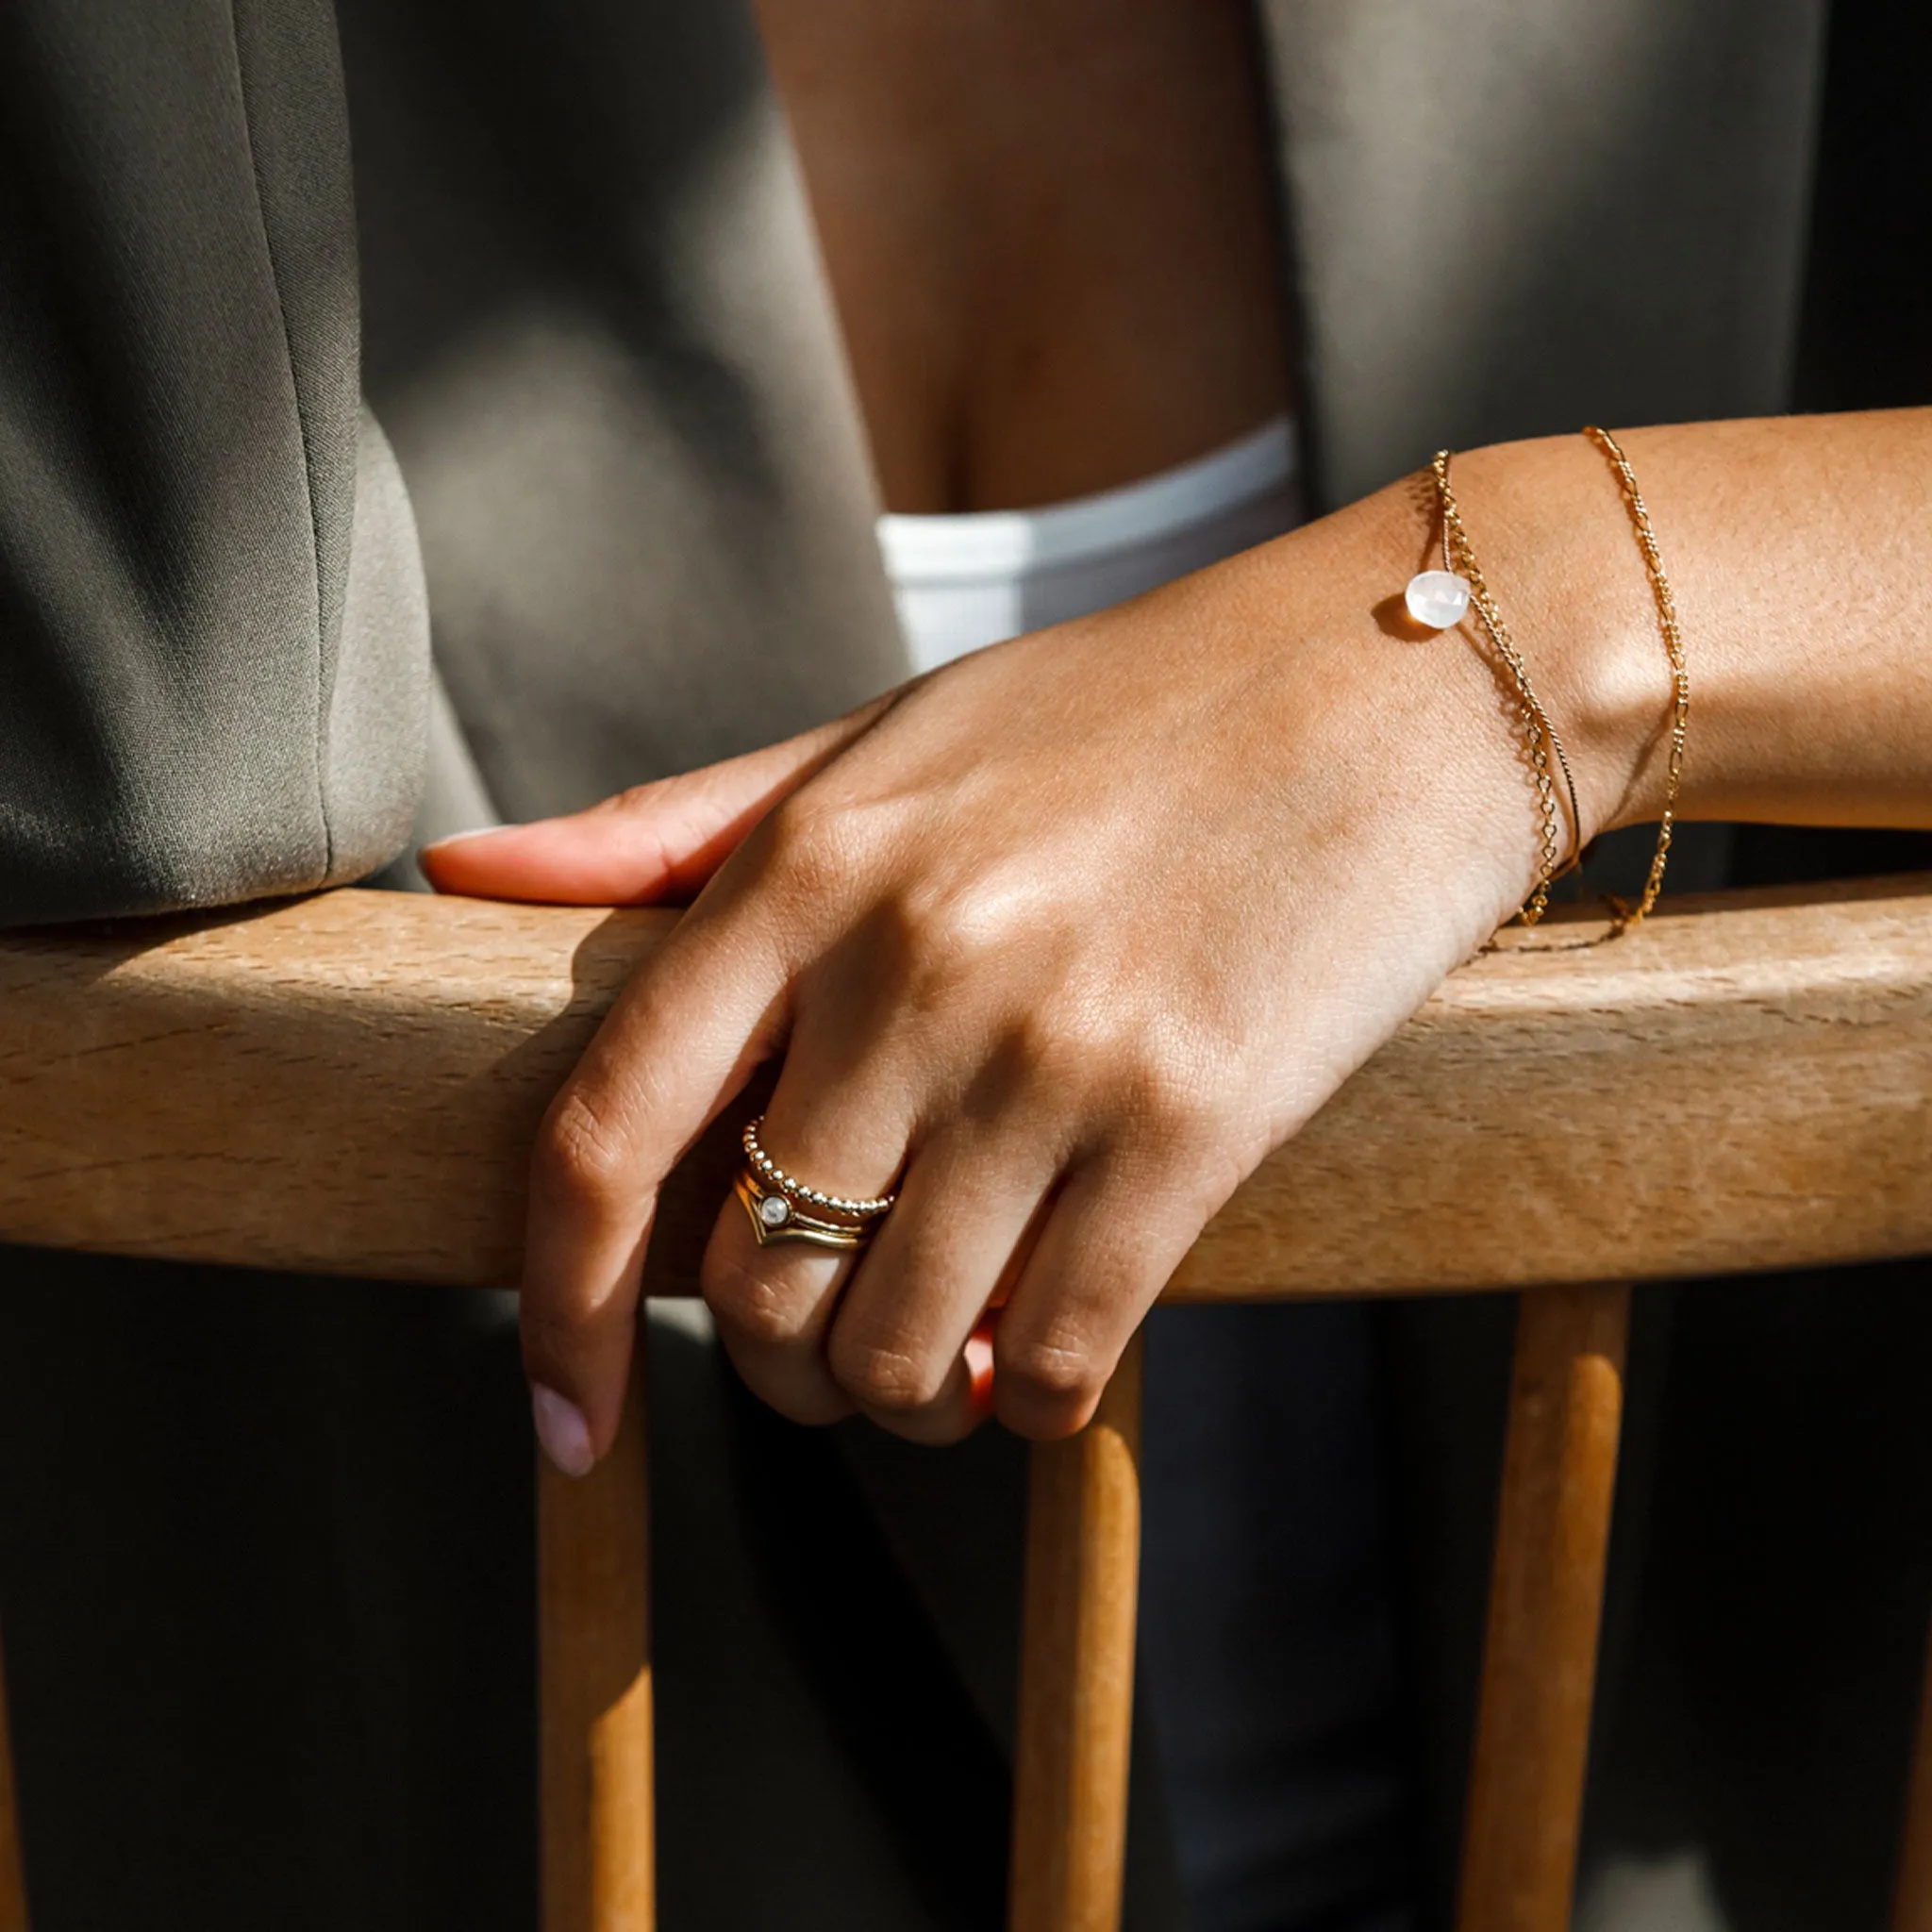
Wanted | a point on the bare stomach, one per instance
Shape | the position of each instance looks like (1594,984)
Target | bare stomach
(1048,228)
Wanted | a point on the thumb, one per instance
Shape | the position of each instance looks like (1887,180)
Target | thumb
(654,843)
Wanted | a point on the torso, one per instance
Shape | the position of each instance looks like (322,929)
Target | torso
(1049,231)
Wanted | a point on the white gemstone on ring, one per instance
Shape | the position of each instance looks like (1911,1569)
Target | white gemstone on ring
(1437,598)
(775,1210)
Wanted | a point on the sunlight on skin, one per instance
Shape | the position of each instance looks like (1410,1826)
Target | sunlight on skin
(655,844)
(1063,938)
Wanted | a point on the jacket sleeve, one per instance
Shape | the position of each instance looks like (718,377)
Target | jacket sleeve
(214,638)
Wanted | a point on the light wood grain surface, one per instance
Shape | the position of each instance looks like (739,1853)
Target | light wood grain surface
(1546,1594)
(349,1083)
(1077,1668)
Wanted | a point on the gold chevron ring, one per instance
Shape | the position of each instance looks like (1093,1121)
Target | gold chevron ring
(784,1209)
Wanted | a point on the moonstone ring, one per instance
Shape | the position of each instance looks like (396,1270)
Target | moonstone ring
(775,1218)
(1437,598)
(784,1209)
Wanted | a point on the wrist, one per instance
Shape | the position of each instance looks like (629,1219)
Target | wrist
(1429,715)
(1550,525)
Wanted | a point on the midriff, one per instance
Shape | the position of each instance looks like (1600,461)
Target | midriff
(1048,228)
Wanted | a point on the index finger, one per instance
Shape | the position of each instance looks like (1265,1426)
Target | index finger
(683,1037)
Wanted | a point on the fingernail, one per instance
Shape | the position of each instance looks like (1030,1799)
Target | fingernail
(458,838)
(562,1430)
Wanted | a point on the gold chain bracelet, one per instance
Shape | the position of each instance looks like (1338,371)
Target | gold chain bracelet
(1538,734)
(1629,916)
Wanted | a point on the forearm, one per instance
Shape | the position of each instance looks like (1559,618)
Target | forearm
(1799,550)
(1057,942)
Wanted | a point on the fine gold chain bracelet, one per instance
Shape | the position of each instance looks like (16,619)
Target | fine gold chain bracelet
(1629,916)
(1538,734)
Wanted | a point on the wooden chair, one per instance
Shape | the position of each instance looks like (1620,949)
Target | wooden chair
(349,1083)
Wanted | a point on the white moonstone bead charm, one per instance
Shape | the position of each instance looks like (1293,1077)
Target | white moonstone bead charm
(775,1210)
(1437,598)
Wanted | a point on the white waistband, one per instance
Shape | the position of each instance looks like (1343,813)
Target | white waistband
(1011,541)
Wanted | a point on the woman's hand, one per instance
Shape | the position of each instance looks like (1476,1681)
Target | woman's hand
(1060,942)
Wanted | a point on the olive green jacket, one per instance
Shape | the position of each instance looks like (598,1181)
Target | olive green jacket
(336,342)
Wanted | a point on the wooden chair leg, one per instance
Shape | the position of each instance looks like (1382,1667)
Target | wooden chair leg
(594,1661)
(1552,1528)
(1077,1670)
(12,1871)
(1911,1904)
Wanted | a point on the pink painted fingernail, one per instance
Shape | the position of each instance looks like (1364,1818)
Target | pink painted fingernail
(562,1430)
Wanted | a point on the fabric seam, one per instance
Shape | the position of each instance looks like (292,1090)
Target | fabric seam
(302,424)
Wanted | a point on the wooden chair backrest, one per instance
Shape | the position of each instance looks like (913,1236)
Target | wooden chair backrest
(349,1083)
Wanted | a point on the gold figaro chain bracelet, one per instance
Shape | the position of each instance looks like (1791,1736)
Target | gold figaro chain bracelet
(1627,915)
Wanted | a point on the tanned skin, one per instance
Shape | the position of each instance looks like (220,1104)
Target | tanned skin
(1063,938)
(1049,233)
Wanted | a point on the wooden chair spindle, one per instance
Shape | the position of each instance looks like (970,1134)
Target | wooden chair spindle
(594,1664)
(1912,1903)
(1077,1668)
(1546,1589)
(12,1871)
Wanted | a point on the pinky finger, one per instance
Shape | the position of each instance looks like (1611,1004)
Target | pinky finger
(1100,1262)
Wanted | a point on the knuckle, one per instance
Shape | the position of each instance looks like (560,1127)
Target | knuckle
(581,1157)
(815,850)
(935,961)
(637,797)
(1175,1091)
(1057,1370)
(1060,1047)
(879,1375)
(959,921)
(1146,1075)
(756,1311)
(1169,1085)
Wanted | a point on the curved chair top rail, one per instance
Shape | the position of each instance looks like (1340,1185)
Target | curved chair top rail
(349,1083)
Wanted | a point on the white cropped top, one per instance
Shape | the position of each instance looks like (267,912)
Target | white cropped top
(964,581)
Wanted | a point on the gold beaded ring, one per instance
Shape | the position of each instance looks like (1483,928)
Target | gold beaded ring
(783,1208)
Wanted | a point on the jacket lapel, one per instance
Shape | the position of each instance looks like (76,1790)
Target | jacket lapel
(597,332)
